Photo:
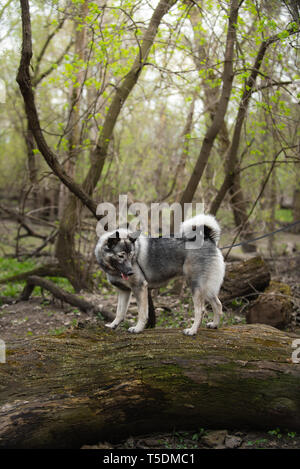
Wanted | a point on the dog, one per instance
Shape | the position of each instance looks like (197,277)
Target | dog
(134,264)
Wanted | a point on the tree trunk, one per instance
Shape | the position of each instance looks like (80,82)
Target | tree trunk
(184,151)
(232,154)
(93,384)
(32,165)
(65,247)
(73,128)
(221,108)
(74,269)
(296,207)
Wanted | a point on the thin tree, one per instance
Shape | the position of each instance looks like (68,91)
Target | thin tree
(65,249)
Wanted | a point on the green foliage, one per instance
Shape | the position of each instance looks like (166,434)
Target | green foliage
(9,267)
(284,215)
(276,433)
(260,443)
(186,60)
(63,283)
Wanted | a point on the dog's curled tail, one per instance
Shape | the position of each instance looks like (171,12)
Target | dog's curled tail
(212,228)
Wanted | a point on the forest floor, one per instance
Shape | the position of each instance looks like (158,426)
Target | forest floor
(43,314)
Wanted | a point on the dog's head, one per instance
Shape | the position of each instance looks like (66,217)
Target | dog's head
(116,255)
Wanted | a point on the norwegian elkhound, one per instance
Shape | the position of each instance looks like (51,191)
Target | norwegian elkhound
(135,263)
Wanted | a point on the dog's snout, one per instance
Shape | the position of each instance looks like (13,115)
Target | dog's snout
(130,272)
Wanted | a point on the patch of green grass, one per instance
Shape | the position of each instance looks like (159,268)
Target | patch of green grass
(11,266)
(284,215)
(12,290)
(62,283)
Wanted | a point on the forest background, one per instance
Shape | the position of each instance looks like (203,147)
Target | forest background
(170,101)
(162,101)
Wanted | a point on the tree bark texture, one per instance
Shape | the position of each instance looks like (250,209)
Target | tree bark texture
(95,384)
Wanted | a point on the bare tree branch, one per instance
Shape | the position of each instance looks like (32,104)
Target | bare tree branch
(249,88)
(25,84)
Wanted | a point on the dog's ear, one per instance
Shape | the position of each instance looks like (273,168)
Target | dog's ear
(113,240)
(134,236)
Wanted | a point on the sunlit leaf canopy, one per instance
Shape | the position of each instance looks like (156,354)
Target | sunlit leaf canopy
(184,67)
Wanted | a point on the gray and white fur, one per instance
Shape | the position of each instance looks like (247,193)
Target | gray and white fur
(134,263)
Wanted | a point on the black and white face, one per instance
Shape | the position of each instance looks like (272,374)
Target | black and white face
(118,254)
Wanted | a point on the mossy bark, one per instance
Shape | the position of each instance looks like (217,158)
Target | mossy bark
(93,384)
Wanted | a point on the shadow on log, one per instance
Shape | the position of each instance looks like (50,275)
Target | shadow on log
(89,385)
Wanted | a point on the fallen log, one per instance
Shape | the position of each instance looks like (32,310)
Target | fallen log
(273,307)
(88,385)
(245,279)
(70,298)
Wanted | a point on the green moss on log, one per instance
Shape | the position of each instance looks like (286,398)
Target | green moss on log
(95,383)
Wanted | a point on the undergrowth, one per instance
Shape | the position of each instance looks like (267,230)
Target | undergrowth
(11,266)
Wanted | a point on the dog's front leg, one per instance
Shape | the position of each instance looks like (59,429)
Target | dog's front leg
(141,294)
(123,302)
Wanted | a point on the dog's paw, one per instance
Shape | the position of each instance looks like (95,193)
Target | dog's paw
(135,330)
(211,325)
(190,331)
(111,325)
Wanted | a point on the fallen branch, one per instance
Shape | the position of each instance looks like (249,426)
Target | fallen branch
(70,298)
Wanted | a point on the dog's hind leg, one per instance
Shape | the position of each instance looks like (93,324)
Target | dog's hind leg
(123,302)
(199,310)
(217,310)
(141,294)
